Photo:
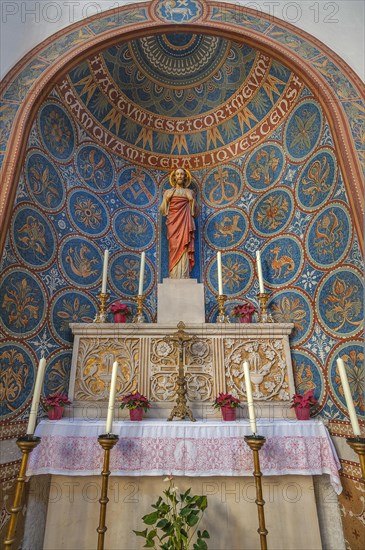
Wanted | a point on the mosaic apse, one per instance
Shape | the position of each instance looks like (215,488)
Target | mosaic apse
(266,174)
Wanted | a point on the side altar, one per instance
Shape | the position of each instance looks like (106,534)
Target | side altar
(212,360)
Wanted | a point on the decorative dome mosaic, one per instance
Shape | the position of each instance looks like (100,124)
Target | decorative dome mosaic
(180,94)
(179,59)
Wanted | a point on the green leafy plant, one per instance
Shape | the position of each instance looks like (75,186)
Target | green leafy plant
(174,523)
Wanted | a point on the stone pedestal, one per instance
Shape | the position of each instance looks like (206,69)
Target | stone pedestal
(180,300)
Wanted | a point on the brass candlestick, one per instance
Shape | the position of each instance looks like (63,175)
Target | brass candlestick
(357,444)
(222,317)
(139,318)
(181,409)
(107,441)
(264,317)
(255,442)
(100,317)
(26,444)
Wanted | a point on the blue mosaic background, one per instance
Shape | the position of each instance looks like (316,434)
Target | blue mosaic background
(286,197)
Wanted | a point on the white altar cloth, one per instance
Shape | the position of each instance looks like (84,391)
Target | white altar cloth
(183,448)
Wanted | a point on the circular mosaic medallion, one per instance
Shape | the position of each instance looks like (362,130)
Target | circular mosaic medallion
(22,297)
(282,261)
(57,131)
(293,306)
(317,179)
(226,228)
(272,212)
(124,274)
(17,373)
(303,130)
(339,302)
(307,374)
(56,377)
(70,306)
(236,273)
(179,11)
(95,168)
(329,236)
(136,187)
(81,262)
(264,167)
(33,237)
(44,182)
(222,186)
(88,213)
(134,229)
(352,354)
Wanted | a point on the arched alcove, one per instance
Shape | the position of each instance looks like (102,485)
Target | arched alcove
(56,77)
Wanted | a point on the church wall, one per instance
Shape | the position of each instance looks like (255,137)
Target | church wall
(284,195)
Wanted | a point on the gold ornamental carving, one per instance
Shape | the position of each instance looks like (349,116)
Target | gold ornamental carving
(94,365)
(268,369)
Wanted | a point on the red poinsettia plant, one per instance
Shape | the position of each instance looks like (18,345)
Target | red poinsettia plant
(118,307)
(56,400)
(244,309)
(135,401)
(226,400)
(307,400)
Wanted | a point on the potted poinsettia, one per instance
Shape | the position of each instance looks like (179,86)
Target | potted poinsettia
(244,312)
(302,404)
(121,312)
(55,405)
(137,404)
(228,404)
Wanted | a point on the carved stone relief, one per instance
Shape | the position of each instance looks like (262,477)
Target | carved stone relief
(94,365)
(268,368)
(198,367)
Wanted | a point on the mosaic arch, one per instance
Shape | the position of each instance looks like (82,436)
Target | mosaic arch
(231,97)
(337,87)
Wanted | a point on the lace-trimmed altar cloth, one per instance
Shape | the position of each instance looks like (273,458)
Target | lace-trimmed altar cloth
(183,448)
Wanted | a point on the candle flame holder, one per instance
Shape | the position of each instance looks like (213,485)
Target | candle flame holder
(26,444)
(264,316)
(357,444)
(255,442)
(107,442)
(100,317)
(139,318)
(222,317)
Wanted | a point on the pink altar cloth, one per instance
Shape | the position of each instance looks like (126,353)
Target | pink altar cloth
(183,448)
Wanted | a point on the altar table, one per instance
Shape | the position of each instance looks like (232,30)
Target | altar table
(209,456)
(184,448)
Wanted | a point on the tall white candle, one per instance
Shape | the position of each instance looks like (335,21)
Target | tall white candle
(105,271)
(219,271)
(348,397)
(259,272)
(250,404)
(36,396)
(141,274)
(113,390)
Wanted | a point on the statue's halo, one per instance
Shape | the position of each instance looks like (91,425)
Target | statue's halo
(187,181)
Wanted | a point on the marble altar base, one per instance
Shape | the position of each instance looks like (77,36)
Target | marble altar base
(231,516)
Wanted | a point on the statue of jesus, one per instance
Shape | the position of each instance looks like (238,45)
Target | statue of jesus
(180,207)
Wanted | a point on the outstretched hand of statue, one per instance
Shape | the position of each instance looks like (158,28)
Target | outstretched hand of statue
(180,208)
